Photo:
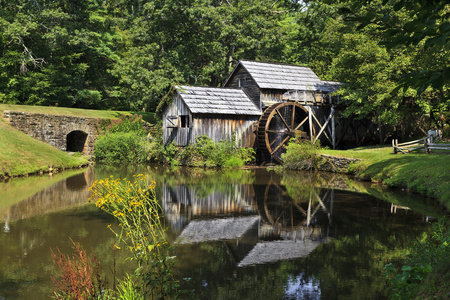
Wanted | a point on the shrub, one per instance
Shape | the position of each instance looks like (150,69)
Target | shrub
(233,162)
(301,155)
(205,153)
(127,140)
(123,147)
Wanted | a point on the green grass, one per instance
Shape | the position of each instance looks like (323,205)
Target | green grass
(77,112)
(426,174)
(21,154)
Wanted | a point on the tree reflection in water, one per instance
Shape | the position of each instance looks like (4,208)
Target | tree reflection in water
(253,234)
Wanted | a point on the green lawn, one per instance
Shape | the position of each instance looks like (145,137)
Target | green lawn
(21,154)
(426,174)
(77,112)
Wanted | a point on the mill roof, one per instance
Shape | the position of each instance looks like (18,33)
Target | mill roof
(281,76)
(218,229)
(208,100)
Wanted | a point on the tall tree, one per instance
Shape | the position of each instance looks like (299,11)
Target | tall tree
(56,53)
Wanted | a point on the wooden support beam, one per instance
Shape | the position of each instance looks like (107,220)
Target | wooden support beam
(333,128)
(282,119)
(322,128)
(310,123)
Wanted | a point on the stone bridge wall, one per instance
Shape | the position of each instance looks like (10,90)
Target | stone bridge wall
(54,129)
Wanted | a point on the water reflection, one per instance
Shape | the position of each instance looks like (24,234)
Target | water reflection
(69,192)
(274,221)
(240,234)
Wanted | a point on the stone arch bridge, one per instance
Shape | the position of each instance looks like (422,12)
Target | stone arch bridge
(67,133)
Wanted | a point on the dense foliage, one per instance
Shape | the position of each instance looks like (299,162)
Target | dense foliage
(205,153)
(128,54)
(393,54)
(124,140)
(425,271)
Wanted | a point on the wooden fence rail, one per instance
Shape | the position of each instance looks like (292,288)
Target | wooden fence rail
(426,144)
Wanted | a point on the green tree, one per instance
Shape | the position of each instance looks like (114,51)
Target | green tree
(57,53)
(414,78)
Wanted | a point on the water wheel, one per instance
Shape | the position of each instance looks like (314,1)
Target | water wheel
(278,124)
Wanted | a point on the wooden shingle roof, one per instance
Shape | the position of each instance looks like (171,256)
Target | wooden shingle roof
(281,76)
(209,100)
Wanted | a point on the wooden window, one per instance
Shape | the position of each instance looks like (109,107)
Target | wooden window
(242,82)
(184,121)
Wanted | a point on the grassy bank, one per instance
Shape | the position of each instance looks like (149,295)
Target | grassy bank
(76,112)
(425,174)
(422,272)
(21,154)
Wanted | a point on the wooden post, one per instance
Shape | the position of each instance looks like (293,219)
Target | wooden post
(393,146)
(310,123)
(333,128)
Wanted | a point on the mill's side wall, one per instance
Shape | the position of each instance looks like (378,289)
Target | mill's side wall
(215,126)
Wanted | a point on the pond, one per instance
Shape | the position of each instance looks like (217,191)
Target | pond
(237,234)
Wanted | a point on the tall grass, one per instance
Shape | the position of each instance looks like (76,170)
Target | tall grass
(142,232)
(79,275)
(204,152)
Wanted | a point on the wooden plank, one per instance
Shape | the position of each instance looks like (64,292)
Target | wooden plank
(413,149)
(421,141)
(333,128)
(310,123)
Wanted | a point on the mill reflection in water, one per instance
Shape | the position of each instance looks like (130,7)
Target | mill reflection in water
(241,234)
(280,227)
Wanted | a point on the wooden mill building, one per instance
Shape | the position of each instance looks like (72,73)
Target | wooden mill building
(262,104)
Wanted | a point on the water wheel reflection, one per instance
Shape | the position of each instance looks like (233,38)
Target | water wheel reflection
(311,207)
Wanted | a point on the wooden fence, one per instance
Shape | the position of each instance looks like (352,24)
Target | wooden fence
(426,144)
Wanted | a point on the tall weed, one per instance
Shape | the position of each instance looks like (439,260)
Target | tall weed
(79,275)
(142,233)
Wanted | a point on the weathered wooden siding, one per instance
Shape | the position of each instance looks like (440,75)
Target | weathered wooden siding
(250,87)
(223,127)
(181,136)
(268,95)
(217,127)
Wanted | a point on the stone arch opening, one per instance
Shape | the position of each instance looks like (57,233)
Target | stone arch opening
(76,141)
